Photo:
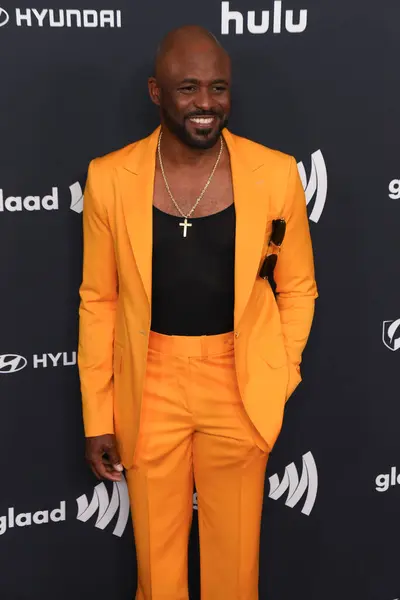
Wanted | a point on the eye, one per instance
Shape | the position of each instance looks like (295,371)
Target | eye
(219,88)
(187,89)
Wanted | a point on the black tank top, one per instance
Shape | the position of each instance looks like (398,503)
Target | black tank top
(193,276)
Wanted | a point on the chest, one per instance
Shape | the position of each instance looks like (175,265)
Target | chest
(187,185)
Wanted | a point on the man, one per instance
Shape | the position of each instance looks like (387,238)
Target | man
(186,355)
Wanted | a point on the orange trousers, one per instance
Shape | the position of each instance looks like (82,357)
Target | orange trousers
(194,428)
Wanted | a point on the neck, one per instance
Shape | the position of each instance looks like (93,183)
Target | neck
(177,152)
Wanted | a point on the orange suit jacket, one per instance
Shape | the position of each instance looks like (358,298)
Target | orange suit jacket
(115,309)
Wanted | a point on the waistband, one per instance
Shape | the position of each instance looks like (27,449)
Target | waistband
(191,345)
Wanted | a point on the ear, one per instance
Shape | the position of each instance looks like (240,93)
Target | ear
(154,91)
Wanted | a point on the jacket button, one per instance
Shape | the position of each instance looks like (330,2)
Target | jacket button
(142,331)
(236,334)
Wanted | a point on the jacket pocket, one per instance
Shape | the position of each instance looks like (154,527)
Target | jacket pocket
(274,353)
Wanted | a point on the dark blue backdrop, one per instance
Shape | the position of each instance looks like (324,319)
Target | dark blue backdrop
(330,95)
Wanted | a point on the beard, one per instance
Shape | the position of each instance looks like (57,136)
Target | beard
(204,139)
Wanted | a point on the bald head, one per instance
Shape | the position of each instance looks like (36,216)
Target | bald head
(192,80)
(191,39)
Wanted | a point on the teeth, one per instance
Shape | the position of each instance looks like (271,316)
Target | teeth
(202,120)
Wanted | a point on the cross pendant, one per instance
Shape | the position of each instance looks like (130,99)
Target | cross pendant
(185,225)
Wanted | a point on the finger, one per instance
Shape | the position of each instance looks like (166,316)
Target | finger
(111,468)
(114,459)
(112,476)
(103,471)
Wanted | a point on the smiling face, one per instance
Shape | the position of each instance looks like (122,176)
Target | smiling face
(192,89)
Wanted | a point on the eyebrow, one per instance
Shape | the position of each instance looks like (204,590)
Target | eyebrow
(192,80)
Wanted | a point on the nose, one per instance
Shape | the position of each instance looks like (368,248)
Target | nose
(203,99)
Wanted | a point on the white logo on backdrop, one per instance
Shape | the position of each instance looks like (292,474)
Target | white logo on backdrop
(29,203)
(269,20)
(317,185)
(297,487)
(12,520)
(101,503)
(4,17)
(386,480)
(394,189)
(11,363)
(36,203)
(105,507)
(391,334)
(87,18)
(76,197)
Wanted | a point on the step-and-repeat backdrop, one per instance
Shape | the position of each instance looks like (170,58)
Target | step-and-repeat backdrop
(314,78)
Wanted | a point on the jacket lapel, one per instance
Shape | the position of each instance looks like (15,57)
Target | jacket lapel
(137,189)
(251,198)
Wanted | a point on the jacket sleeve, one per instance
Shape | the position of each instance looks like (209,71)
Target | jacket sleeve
(294,276)
(98,300)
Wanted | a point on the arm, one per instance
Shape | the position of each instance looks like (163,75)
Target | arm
(99,294)
(294,275)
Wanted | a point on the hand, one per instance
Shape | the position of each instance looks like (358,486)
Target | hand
(103,458)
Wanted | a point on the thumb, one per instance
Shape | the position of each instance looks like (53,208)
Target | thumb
(115,459)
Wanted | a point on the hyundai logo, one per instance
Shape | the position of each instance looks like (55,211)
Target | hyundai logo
(11,363)
(4,17)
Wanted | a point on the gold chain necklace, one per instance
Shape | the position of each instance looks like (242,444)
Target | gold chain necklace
(186,224)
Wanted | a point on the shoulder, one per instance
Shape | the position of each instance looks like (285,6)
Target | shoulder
(117,158)
(255,152)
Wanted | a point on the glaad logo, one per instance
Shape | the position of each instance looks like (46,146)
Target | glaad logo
(391,334)
(106,507)
(317,184)
(386,480)
(37,203)
(29,203)
(394,189)
(297,488)
(76,197)
(4,17)
(30,17)
(11,363)
(25,519)
(269,18)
